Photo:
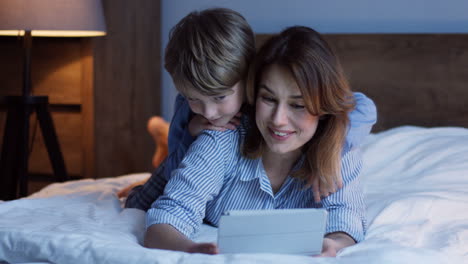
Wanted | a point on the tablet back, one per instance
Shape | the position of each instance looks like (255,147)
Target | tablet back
(286,231)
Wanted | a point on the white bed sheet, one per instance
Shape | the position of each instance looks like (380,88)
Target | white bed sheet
(415,180)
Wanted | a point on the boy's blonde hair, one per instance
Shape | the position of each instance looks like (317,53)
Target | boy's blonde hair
(209,51)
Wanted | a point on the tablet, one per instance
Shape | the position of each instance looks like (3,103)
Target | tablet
(285,231)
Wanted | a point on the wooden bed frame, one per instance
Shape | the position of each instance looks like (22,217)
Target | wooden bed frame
(414,79)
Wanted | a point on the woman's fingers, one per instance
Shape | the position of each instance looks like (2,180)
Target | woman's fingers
(320,191)
(215,128)
(339,183)
(316,190)
(231,126)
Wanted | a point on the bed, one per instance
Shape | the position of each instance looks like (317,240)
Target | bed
(415,174)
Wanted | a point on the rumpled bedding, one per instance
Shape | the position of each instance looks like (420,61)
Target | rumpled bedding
(415,180)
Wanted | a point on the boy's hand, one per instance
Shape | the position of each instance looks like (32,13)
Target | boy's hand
(204,248)
(235,121)
(200,123)
(165,236)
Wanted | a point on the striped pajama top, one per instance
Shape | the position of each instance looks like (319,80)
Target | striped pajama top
(361,120)
(214,177)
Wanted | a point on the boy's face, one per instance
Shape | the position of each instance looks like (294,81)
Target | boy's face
(217,109)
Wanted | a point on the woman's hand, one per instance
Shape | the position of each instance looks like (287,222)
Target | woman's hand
(198,123)
(334,242)
(329,248)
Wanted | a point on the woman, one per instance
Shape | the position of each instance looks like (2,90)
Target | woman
(295,136)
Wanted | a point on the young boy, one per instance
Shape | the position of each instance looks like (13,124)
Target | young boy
(208,56)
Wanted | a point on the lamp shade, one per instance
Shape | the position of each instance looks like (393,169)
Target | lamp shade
(53,18)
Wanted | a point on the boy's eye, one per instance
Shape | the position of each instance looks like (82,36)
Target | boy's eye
(268,98)
(192,99)
(220,98)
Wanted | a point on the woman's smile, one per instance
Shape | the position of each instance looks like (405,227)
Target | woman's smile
(281,135)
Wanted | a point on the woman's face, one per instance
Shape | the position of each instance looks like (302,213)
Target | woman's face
(281,115)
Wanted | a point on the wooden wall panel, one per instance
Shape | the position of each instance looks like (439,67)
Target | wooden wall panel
(414,79)
(68,128)
(55,68)
(127,79)
(10,66)
(87,109)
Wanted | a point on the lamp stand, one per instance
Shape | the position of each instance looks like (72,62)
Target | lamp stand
(15,149)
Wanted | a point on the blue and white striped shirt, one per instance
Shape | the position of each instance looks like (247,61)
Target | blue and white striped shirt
(214,177)
(362,118)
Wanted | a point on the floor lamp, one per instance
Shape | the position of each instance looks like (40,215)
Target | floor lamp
(28,19)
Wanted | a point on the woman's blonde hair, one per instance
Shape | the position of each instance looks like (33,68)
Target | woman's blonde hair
(326,93)
(209,51)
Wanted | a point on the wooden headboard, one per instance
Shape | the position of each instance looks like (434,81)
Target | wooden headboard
(414,79)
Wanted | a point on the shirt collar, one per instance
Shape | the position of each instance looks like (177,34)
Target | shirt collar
(253,170)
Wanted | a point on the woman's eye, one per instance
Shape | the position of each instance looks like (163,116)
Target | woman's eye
(297,106)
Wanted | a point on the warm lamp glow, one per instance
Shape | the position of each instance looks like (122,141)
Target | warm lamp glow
(54,33)
(52,18)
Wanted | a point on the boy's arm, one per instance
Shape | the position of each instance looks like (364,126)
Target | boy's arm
(361,120)
(200,123)
(179,141)
(197,181)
